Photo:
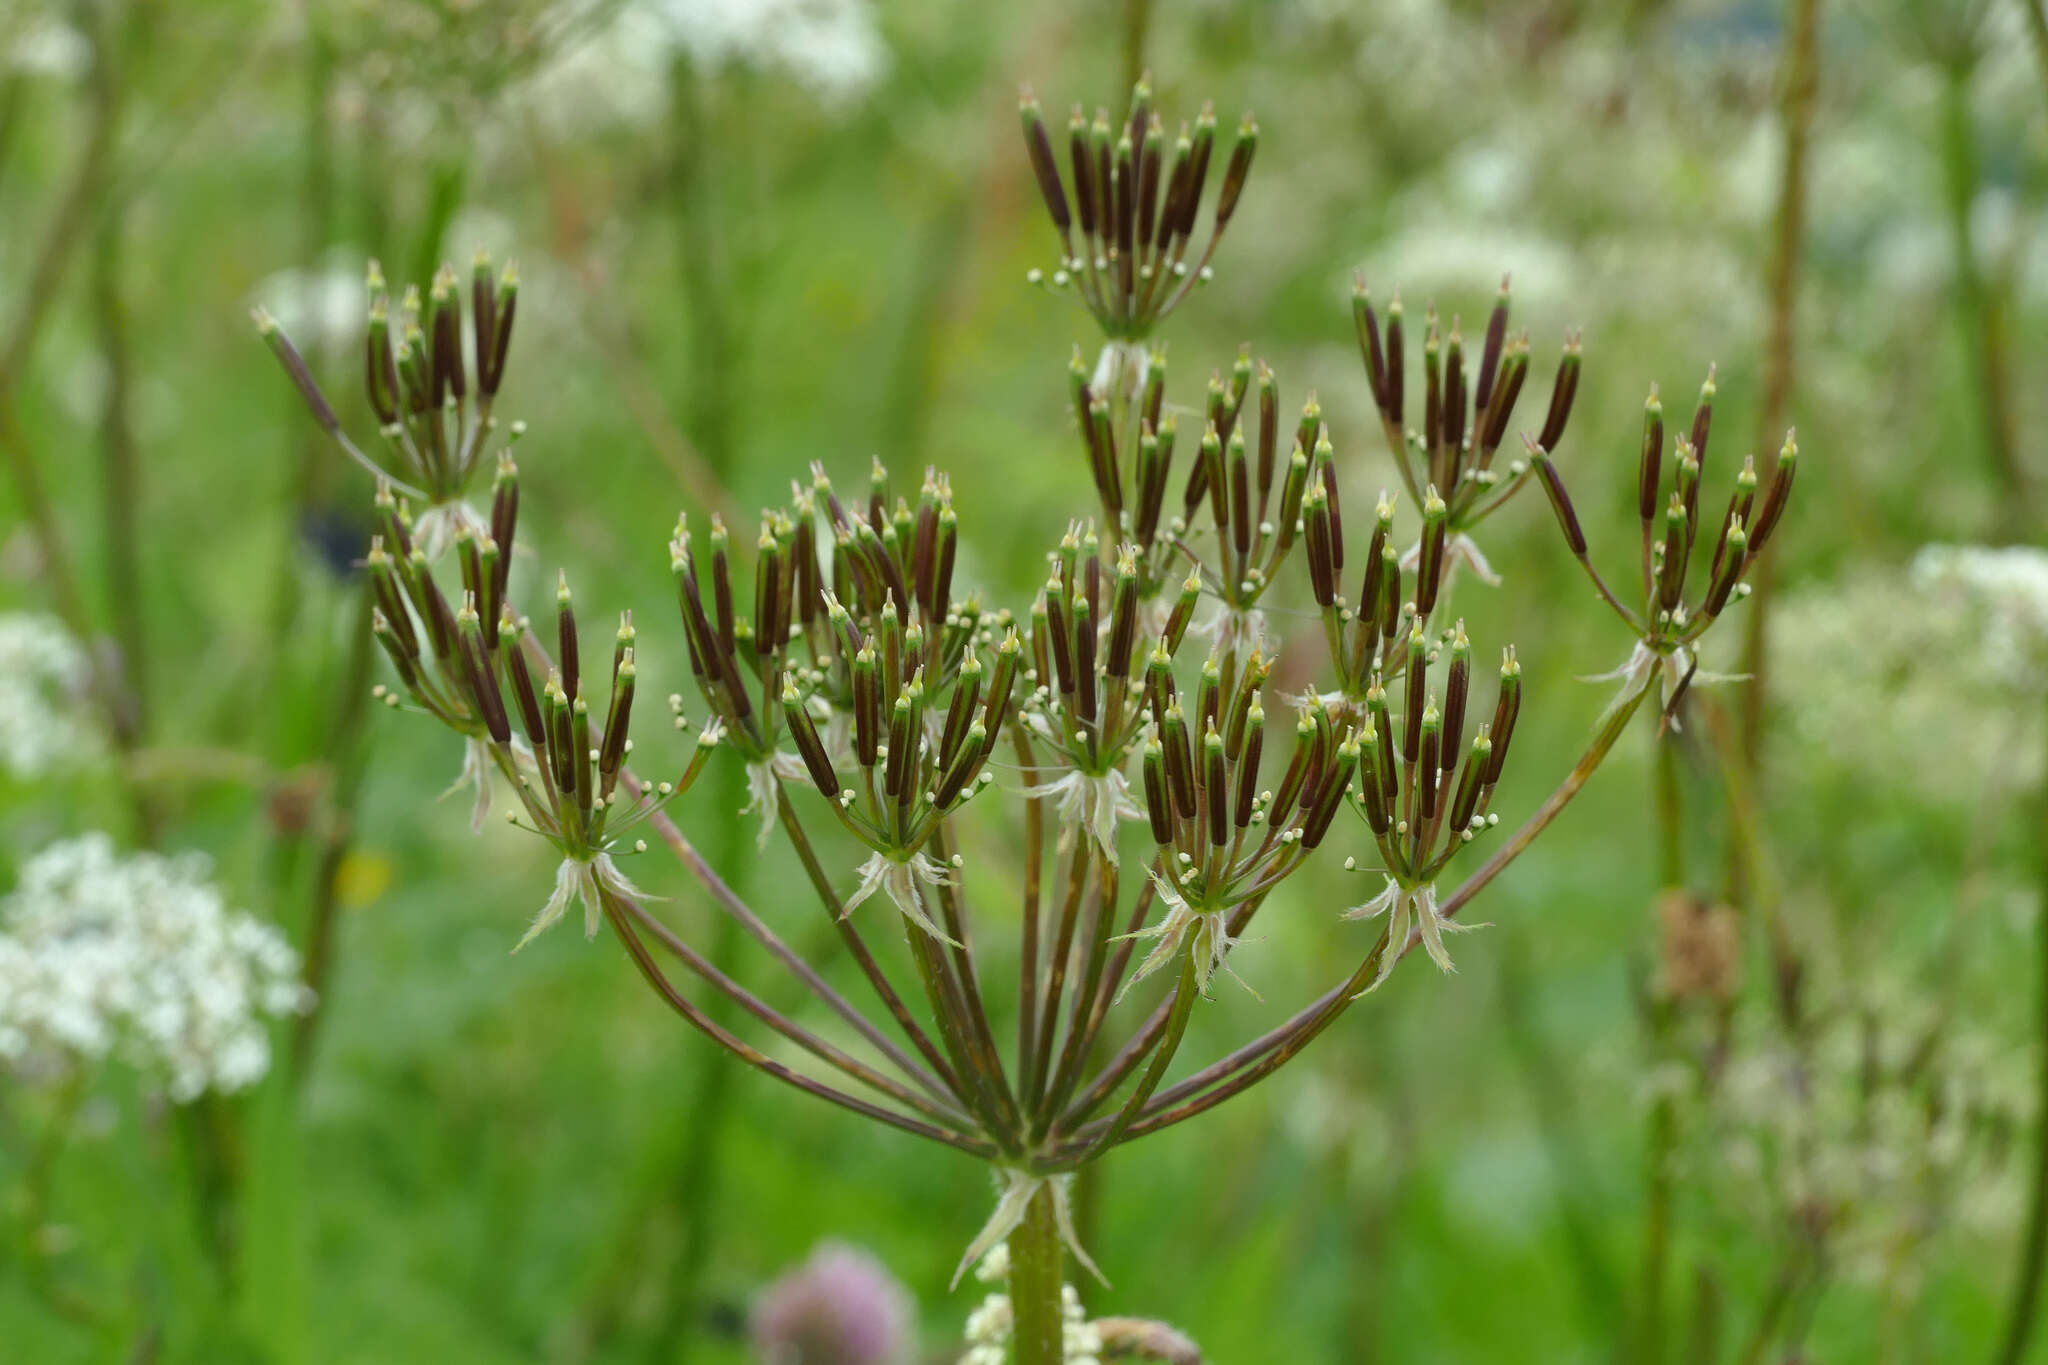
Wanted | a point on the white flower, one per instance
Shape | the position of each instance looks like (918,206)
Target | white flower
(585,880)
(1017,1189)
(1209,930)
(991,1323)
(45,677)
(1863,703)
(830,47)
(1090,801)
(1416,904)
(898,879)
(994,1266)
(763,777)
(139,957)
(2009,585)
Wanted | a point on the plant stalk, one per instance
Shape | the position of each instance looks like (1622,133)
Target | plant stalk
(2026,1289)
(1663,1121)
(1037,1272)
(1801,80)
(1980,316)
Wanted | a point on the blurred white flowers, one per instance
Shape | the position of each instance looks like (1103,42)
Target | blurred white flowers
(2006,588)
(1887,1126)
(830,47)
(1933,671)
(44,675)
(139,957)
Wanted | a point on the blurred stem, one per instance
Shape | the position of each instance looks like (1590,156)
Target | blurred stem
(445,186)
(128,700)
(1705,1337)
(697,1178)
(705,271)
(1978,313)
(62,237)
(39,1176)
(1799,78)
(1037,1273)
(2037,33)
(912,385)
(1670,816)
(2026,1290)
(1663,1120)
(347,758)
(13,95)
(316,157)
(1137,18)
(681,1178)
(67,228)
(1780,1299)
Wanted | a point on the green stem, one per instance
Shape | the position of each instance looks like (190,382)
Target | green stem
(68,227)
(696,1177)
(1037,1272)
(2037,34)
(1663,1121)
(706,273)
(1978,313)
(1137,18)
(2026,1289)
(347,756)
(128,679)
(1801,79)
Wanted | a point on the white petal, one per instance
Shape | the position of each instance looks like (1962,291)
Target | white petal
(566,878)
(593,905)
(617,882)
(1063,1218)
(475,758)
(762,791)
(871,873)
(1431,925)
(1378,905)
(1018,1188)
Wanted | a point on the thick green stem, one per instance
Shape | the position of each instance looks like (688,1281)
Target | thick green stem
(1037,1271)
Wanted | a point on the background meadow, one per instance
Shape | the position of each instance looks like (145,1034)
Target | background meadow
(756,233)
